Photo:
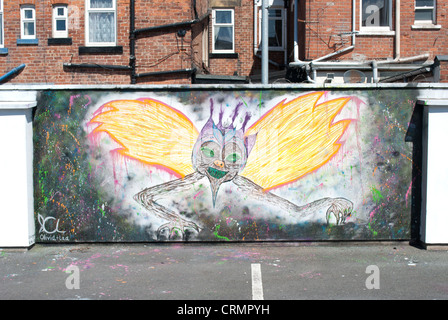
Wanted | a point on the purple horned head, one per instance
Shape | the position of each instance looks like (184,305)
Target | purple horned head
(220,152)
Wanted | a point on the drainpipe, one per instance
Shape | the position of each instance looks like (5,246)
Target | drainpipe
(296,35)
(297,62)
(14,71)
(96,65)
(397,29)
(264,43)
(407,59)
(132,42)
(158,73)
(182,24)
(375,71)
(255,28)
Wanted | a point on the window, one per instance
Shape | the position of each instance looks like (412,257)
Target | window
(277,25)
(101,23)
(223,31)
(425,11)
(376,15)
(60,19)
(27,22)
(1,24)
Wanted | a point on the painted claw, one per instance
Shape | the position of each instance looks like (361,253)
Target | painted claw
(341,208)
(178,230)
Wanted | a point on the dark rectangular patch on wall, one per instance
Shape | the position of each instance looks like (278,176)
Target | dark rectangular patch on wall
(101,50)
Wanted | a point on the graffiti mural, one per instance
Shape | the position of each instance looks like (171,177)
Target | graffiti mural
(193,165)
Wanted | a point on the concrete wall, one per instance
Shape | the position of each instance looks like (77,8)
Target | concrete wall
(16,169)
(435,172)
(237,163)
(146,163)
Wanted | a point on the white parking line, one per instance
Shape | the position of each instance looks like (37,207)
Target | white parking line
(257,284)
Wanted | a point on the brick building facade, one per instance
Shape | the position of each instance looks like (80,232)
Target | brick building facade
(329,24)
(197,41)
(154,53)
(401,38)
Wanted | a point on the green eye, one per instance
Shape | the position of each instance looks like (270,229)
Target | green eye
(234,157)
(209,153)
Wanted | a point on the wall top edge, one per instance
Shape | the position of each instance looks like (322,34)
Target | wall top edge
(39,87)
(433,102)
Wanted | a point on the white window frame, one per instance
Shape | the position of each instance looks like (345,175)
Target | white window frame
(101,10)
(214,24)
(23,8)
(2,33)
(426,22)
(56,17)
(376,29)
(282,18)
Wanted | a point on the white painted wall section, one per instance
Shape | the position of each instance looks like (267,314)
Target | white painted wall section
(435,173)
(16,169)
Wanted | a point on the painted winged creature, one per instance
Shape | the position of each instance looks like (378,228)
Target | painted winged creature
(291,140)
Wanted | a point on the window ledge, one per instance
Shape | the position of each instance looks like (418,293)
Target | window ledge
(376,33)
(59,41)
(223,56)
(27,41)
(101,50)
(428,26)
(4,51)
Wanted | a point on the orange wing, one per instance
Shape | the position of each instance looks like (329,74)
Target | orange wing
(294,139)
(149,131)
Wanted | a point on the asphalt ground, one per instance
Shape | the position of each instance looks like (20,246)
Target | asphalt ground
(244,272)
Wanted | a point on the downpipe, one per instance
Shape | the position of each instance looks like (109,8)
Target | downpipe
(12,72)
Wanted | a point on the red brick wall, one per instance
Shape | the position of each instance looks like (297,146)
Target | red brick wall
(166,51)
(415,42)
(155,51)
(44,63)
(326,19)
(444,72)
(246,63)
(162,50)
(243,44)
